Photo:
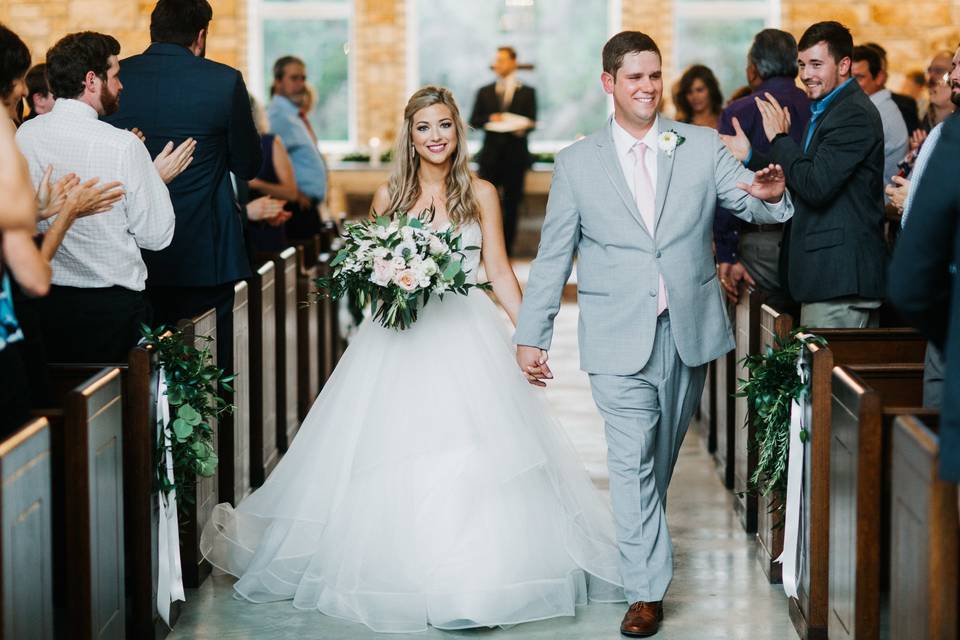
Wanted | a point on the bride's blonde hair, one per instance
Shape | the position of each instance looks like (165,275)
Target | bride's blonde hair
(404,185)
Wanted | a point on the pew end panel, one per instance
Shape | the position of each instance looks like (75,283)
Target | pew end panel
(308,336)
(263,374)
(747,333)
(725,385)
(26,537)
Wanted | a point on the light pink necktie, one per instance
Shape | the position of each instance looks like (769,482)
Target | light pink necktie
(646,203)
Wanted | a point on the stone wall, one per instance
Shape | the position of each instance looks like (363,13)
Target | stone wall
(911,30)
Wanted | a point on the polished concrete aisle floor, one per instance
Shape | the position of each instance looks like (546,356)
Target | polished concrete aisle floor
(718,591)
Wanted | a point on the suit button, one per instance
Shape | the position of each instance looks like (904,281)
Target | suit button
(653,293)
(659,254)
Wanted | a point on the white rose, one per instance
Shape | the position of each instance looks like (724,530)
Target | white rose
(380,252)
(383,272)
(429,267)
(398,263)
(383,232)
(407,233)
(438,247)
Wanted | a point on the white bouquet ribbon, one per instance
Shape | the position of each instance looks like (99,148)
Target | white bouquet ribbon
(169,574)
(791,533)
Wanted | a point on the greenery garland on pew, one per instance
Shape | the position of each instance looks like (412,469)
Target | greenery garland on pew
(770,390)
(192,390)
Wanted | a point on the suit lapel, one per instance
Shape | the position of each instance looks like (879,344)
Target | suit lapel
(664,171)
(611,164)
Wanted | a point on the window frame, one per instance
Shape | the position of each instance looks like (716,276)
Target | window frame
(262,10)
(614,25)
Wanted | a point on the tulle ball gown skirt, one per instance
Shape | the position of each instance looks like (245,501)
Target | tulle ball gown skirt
(427,486)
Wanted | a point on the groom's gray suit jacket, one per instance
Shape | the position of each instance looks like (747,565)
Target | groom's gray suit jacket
(592,213)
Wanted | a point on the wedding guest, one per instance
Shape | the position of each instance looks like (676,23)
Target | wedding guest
(504,158)
(832,254)
(906,104)
(274,187)
(867,70)
(746,251)
(938,88)
(288,97)
(922,282)
(207,102)
(15,62)
(39,98)
(99,275)
(698,99)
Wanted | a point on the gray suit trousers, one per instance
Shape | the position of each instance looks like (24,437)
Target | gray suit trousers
(646,416)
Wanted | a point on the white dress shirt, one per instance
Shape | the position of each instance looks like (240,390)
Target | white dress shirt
(101,250)
(506,87)
(623,142)
(919,166)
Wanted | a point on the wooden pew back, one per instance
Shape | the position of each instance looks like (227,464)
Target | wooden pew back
(745,451)
(308,335)
(26,542)
(264,454)
(925,555)
(206,493)
(234,432)
(773,324)
(851,347)
(287,302)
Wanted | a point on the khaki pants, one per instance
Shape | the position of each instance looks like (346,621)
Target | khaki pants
(841,313)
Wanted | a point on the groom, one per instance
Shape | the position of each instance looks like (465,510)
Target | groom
(635,202)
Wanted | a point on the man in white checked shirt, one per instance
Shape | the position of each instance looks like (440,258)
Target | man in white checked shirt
(96,303)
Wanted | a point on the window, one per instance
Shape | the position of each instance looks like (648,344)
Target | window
(452,43)
(718,33)
(319,32)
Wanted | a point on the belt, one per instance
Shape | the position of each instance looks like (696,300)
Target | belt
(749,227)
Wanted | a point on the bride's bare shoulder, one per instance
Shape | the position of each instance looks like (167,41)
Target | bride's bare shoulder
(482,188)
(381,200)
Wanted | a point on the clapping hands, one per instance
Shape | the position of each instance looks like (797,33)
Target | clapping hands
(768,184)
(776,119)
(68,196)
(171,162)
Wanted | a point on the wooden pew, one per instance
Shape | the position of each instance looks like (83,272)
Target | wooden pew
(925,549)
(725,386)
(234,432)
(773,324)
(330,343)
(308,333)
(26,543)
(866,399)
(264,454)
(88,516)
(747,333)
(706,419)
(287,301)
(809,611)
(199,507)
(139,380)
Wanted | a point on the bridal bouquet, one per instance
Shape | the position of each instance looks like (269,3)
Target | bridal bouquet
(395,264)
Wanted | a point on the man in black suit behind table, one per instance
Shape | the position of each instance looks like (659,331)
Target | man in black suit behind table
(507,111)
(172,92)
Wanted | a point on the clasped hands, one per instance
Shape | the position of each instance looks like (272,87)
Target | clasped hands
(533,364)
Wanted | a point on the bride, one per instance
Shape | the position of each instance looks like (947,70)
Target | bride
(428,484)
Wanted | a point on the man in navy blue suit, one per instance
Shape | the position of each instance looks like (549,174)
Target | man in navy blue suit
(171,93)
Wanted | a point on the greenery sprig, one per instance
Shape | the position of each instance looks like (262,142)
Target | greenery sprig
(193,384)
(771,388)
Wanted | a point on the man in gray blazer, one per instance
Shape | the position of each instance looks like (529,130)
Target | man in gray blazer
(635,202)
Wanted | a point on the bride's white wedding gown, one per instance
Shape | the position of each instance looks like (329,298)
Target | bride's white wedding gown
(427,485)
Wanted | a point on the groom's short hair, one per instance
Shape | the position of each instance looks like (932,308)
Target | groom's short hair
(838,39)
(624,43)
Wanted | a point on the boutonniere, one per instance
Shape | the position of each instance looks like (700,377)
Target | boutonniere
(669,141)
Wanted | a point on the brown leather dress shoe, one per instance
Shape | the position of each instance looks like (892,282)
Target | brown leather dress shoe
(642,619)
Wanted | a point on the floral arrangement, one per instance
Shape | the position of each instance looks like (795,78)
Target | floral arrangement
(395,264)
(194,386)
(668,141)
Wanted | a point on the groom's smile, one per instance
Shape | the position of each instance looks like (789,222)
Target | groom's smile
(636,90)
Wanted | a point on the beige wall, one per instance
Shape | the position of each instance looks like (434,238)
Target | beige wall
(911,30)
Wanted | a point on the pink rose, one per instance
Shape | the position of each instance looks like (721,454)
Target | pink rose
(406,280)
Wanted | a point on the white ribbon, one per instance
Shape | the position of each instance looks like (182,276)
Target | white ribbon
(791,532)
(169,574)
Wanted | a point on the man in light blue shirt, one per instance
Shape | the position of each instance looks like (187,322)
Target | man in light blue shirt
(288,95)
(867,68)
